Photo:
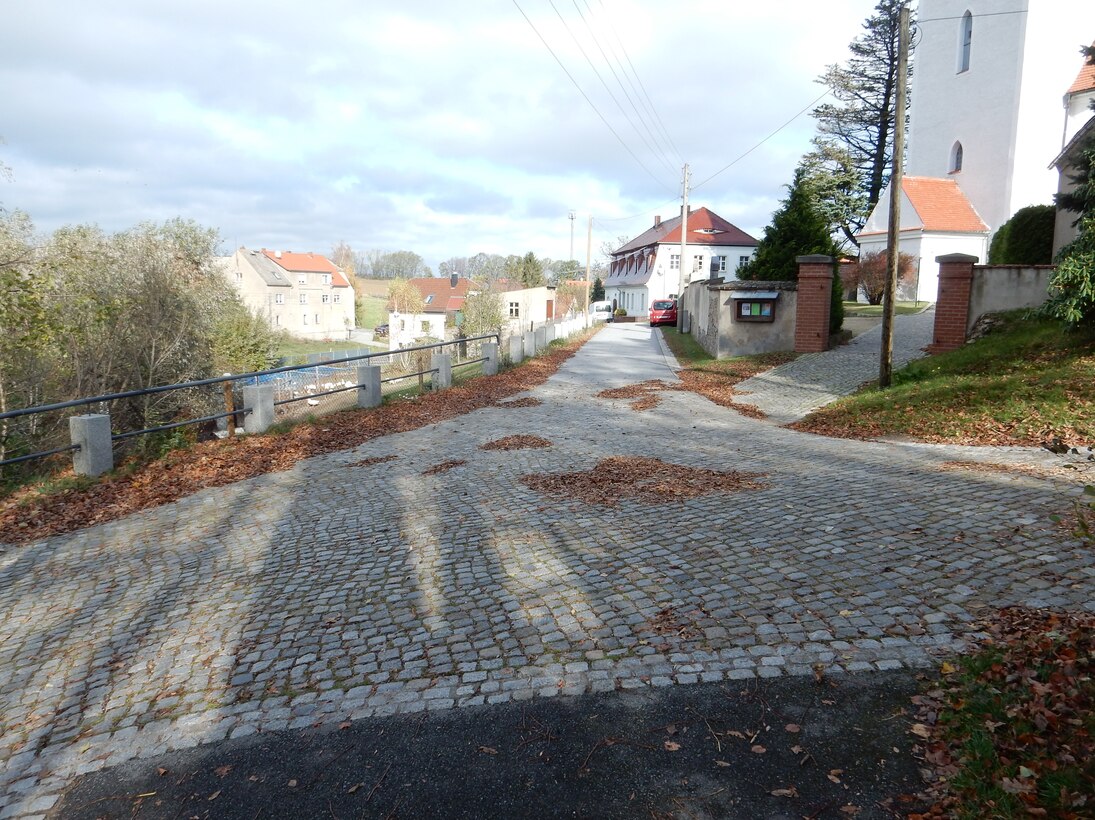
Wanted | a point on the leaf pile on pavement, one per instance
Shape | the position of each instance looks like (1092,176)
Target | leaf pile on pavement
(521,442)
(371,460)
(644,393)
(649,480)
(1017,469)
(526,401)
(444,467)
(714,381)
(1009,731)
(33,512)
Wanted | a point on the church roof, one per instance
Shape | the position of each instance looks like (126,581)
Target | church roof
(942,206)
(1085,80)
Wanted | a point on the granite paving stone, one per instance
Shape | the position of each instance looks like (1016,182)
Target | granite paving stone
(332,590)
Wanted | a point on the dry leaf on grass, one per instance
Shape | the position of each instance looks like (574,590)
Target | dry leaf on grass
(371,460)
(527,401)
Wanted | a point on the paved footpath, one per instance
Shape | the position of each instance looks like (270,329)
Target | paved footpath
(335,591)
(789,392)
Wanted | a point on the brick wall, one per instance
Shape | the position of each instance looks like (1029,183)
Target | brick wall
(952,304)
(815,285)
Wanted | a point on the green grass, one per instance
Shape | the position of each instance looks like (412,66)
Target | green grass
(685,347)
(901,308)
(1025,383)
(291,348)
(373,311)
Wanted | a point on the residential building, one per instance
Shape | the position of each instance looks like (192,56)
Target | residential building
(1079,128)
(442,300)
(304,294)
(985,115)
(649,266)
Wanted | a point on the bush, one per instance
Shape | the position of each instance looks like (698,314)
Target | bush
(620,311)
(1072,288)
(871,273)
(1026,238)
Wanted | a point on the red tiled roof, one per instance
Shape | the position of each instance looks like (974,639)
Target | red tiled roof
(1085,80)
(308,263)
(942,206)
(440,295)
(701,219)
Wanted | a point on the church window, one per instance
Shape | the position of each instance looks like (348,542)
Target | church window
(965,38)
(956,158)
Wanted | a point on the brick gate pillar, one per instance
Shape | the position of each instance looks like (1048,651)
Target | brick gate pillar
(815,288)
(952,303)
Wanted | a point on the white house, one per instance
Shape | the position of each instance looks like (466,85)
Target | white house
(304,294)
(442,298)
(1079,127)
(986,114)
(648,267)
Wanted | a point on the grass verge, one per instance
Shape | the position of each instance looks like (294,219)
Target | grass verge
(1009,731)
(1029,382)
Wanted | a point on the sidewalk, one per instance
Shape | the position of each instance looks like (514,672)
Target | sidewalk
(791,391)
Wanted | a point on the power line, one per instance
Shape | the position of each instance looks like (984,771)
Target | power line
(587,99)
(638,79)
(759,144)
(642,115)
(983,14)
(597,73)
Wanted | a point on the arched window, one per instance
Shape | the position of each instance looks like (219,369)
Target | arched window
(956,158)
(965,38)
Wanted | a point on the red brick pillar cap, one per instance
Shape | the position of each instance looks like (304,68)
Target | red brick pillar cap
(814,259)
(956,258)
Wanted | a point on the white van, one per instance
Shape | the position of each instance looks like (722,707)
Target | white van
(600,311)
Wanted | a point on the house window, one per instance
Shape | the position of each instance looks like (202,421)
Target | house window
(303,298)
(402,324)
(325,298)
(515,310)
(302,279)
(965,39)
(337,297)
(304,318)
(956,158)
(277,319)
(429,298)
(317,318)
(279,298)
(697,263)
(425,328)
(675,261)
(719,264)
(326,278)
(742,260)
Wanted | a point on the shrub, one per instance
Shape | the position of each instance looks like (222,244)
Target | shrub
(870,274)
(620,311)
(1026,238)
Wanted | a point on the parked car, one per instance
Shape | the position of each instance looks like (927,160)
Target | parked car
(600,311)
(663,312)
(380,331)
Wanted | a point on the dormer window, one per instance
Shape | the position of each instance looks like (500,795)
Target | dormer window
(429,298)
(965,39)
(956,158)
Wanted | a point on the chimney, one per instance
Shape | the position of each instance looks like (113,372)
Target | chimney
(657,221)
(277,254)
(454,278)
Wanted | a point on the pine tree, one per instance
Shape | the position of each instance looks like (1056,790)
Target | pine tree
(797,229)
(854,145)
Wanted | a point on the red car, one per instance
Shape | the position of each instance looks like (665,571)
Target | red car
(663,312)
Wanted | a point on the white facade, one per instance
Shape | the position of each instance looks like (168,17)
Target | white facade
(526,308)
(308,305)
(410,329)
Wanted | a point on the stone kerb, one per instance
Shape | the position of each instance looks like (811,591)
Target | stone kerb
(815,284)
(952,304)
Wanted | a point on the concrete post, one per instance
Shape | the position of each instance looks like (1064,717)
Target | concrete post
(552,332)
(814,298)
(516,349)
(368,377)
(952,304)
(96,453)
(490,351)
(530,343)
(541,337)
(260,398)
(442,364)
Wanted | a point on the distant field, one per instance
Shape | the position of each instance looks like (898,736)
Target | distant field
(375,311)
(371,287)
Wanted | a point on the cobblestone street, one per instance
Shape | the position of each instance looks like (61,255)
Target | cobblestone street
(336,591)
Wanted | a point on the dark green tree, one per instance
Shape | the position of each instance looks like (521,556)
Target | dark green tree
(598,291)
(1026,238)
(854,144)
(797,229)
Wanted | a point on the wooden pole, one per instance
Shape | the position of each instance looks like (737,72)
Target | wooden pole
(893,237)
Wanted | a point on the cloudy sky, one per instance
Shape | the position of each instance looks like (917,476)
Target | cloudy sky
(439,127)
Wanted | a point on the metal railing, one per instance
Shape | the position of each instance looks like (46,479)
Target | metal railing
(312,382)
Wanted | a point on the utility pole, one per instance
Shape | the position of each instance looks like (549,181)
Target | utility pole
(893,236)
(571,236)
(684,248)
(589,256)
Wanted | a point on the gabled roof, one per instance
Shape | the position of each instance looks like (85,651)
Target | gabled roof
(1086,130)
(942,206)
(272,275)
(705,227)
(307,263)
(439,294)
(1085,80)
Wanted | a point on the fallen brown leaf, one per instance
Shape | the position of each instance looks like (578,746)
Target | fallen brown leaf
(758,749)
(793,728)
(671,746)
(487,750)
(790,791)
(214,795)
